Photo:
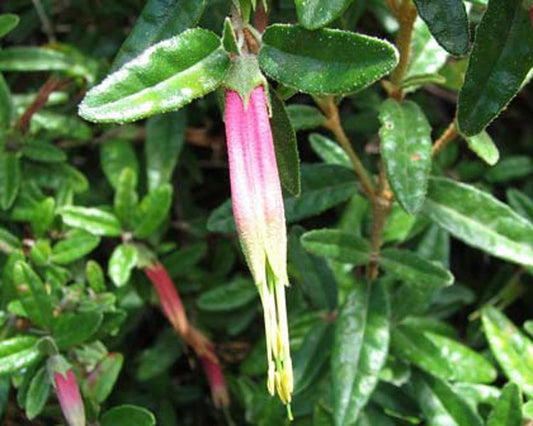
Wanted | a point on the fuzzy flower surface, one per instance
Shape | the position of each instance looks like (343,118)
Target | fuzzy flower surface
(68,393)
(260,218)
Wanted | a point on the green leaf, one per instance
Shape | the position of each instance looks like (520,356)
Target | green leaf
(409,267)
(448,22)
(163,78)
(427,57)
(500,60)
(43,151)
(229,39)
(95,276)
(479,220)
(406,148)
(305,117)
(360,349)
(153,210)
(323,186)
(467,365)
(412,345)
(164,142)
(8,241)
(318,13)
(6,104)
(15,361)
(228,296)
(37,393)
(16,344)
(9,178)
(317,279)
(8,21)
(485,148)
(56,176)
(329,151)
(509,168)
(341,61)
(285,145)
(75,245)
(122,261)
(440,404)
(337,245)
(115,156)
(127,415)
(72,329)
(103,378)
(157,359)
(33,295)
(92,220)
(512,349)
(521,203)
(508,409)
(159,20)
(56,124)
(126,198)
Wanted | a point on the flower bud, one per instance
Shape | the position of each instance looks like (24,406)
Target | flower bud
(219,392)
(67,391)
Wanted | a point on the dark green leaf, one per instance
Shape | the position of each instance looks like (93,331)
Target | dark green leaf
(8,241)
(103,377)
(75,245)
(341,62)
(43,151)
(427,57)
(121,263)
(318,13)
(163,78)
(508,409)
(228,296)
(285,145)
(159,20)
(37,393)
(127,415)
(229,39)
(164,141)
(483,145)
(448,22)
(126,198)
(8,21)
(72,329)
(406,148)
(521,203)
(153,210)
(6,104)
(337,245)
(509,168)
(480,220)
(180,262)
(91,219)
(115,156)
(500,60)
(159,358)
(305,117)
(9,178)
(329,150)
(359,350)
(512,349)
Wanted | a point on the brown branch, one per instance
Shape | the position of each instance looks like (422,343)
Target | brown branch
(447,136)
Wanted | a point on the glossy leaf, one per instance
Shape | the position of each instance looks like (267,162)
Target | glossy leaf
(228,296)
(305,117)
(341,62)
(323,186)
(521,203)
(153,210)
(440,404)
(126,198)
(500,60)
(37,393)
(406,149)
(71,329)
(122,261)
(104,376)
(409,267)
(75,245)
(360,348)
(127,415)
(92,220)
(448,22)
(337,245)
(480,220)
(16,361)
(329,150)
(9,178)
(159,20)
(95,276)
(511,347)
(8,21)
(318,13)
(6,104)
(285,145)
(427,56)
(163,78)
(164,141)
(508,409)
(115,156)
(483,145)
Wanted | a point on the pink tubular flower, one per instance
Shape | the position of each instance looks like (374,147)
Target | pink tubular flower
(68,393)
(168,296)
(217,384)
(259,215)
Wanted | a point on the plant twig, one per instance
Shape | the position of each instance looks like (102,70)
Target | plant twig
(45,21)
(447,136)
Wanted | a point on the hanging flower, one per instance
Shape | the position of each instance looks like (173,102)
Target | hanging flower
(217,384)
(259,215)
(67,391)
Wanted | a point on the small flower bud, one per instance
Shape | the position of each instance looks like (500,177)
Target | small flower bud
(67,391)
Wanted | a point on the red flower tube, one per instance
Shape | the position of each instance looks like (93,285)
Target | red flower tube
(67,391)
(217,384)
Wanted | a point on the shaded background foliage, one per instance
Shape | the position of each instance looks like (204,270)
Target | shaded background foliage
(439,364)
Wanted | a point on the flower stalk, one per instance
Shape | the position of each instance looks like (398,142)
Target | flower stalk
(260,218)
